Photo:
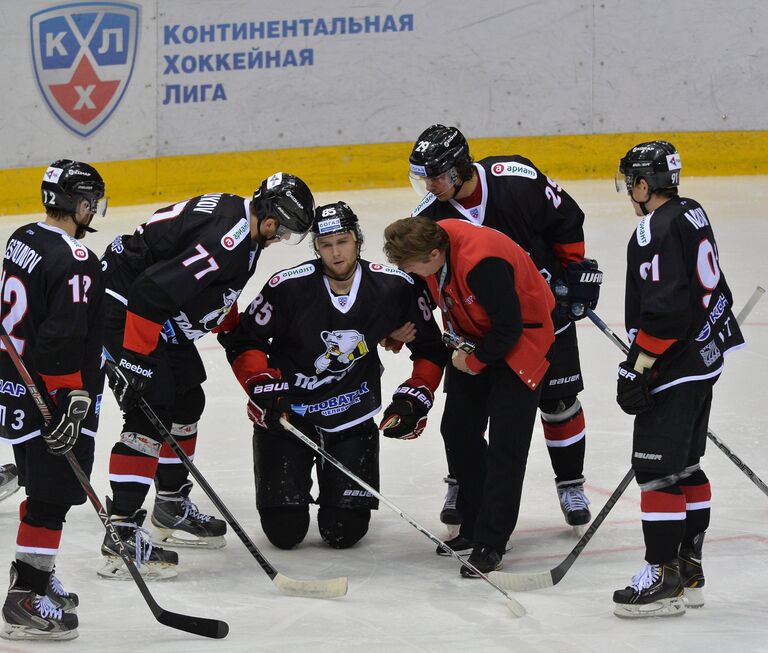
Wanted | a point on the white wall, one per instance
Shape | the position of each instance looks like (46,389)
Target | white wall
(493,67)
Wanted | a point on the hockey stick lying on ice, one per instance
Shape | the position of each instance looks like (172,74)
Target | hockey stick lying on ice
(516,608)
(523,582)
(197,625)
(717,441)
(317,589)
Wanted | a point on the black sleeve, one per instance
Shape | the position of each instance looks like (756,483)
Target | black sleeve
(428,343)
(492,281)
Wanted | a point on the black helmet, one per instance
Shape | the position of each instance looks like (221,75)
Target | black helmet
(66,182)
(658,162)
(336,218)
(287,199)
(437,150)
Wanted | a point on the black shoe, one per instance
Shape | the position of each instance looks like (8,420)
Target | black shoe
(459,544)
(484,558)
(655,591)
(66,601)
(691,572)
(449,514)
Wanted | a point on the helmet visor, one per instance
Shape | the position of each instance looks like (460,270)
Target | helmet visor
(622,182)
(101,207)
(437,184)
(285,235)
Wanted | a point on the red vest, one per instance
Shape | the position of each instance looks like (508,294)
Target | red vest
(470,244)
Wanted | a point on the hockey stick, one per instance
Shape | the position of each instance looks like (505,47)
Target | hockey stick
(318,589)
(197,625)
(516,608)
(540,580)
(756,295)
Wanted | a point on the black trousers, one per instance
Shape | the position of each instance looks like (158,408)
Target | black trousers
(490,473)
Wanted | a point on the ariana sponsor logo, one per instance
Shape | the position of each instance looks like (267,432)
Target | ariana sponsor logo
(513,169)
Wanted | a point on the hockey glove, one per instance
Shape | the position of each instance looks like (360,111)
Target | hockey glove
(581,289)
(62,431)
(133,374)
(632,392)
(406,417)
(266,399)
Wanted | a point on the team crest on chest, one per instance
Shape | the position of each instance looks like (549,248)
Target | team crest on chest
(343,348)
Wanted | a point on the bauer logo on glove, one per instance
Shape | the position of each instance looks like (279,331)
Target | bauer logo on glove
(406,417)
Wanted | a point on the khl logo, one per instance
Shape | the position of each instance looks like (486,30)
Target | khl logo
(83,55)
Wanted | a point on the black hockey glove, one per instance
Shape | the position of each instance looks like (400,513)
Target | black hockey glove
(632,393)
(581,289)
(406,417)
(133,374)
(267,400)
(62,431)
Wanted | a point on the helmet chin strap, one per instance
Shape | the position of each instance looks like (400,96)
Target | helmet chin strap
(81,229)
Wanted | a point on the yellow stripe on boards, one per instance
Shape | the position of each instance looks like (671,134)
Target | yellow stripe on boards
(384,165)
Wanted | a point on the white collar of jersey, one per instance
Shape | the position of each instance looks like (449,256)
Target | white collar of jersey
(343,303)
(476,214)
(50,227)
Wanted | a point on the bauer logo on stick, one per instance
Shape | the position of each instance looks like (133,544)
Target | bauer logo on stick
(83,56)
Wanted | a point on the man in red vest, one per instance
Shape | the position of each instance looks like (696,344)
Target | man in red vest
(497,316)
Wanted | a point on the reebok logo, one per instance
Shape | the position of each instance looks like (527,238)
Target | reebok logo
(133,367)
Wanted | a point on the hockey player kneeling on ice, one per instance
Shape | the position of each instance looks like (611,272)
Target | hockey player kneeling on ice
(678,313)
(305,348)
(497,316)
(53,295)
(177,277)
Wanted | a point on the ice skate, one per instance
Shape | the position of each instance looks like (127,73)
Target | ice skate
(574,504)
(691,572)
(153,562)
(655,591)
(66,601)
(484,558)
(449,515)
(459,544)
(9,480)
(179,523)
(28,615)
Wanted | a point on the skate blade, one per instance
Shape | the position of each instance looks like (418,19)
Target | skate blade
(694,597)
(114,569)
(674,607)
(579,530)
(17,632)
(174,539)
(9,488)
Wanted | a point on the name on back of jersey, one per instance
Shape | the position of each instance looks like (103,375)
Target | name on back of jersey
(513,169)
(292,273)
(22,255)
(378,267)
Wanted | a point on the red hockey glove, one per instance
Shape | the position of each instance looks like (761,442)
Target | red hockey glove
(266,399)
(406,417)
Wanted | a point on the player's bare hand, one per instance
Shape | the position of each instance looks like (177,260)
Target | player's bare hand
(459,361)
(395,340)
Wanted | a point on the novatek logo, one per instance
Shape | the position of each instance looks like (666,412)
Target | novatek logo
(83,56)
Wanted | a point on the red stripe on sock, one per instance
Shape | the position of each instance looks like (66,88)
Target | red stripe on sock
(653,501)
(697,493)
(144,466)
(564,430)
(187,445)
(38,537)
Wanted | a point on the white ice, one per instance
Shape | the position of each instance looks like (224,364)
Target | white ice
(402,597)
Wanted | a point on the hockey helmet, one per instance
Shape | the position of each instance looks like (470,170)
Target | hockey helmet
(287,199)
(658,162)
(437,150)
(67,182)
(336,218)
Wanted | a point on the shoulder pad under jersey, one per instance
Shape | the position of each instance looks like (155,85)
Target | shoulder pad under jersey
(386,269)
(303,270)
(425,202)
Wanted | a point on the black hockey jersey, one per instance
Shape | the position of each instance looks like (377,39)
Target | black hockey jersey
(678,305)
(182,270)
(52,301)
(325,346)
(521,202)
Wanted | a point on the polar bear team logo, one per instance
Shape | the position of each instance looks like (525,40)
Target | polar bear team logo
(342,348)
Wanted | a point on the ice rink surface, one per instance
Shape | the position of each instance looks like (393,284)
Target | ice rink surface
(402,597)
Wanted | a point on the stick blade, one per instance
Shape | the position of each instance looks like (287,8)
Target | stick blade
(516,608)
(329,588)
(212,628)
(522,582)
